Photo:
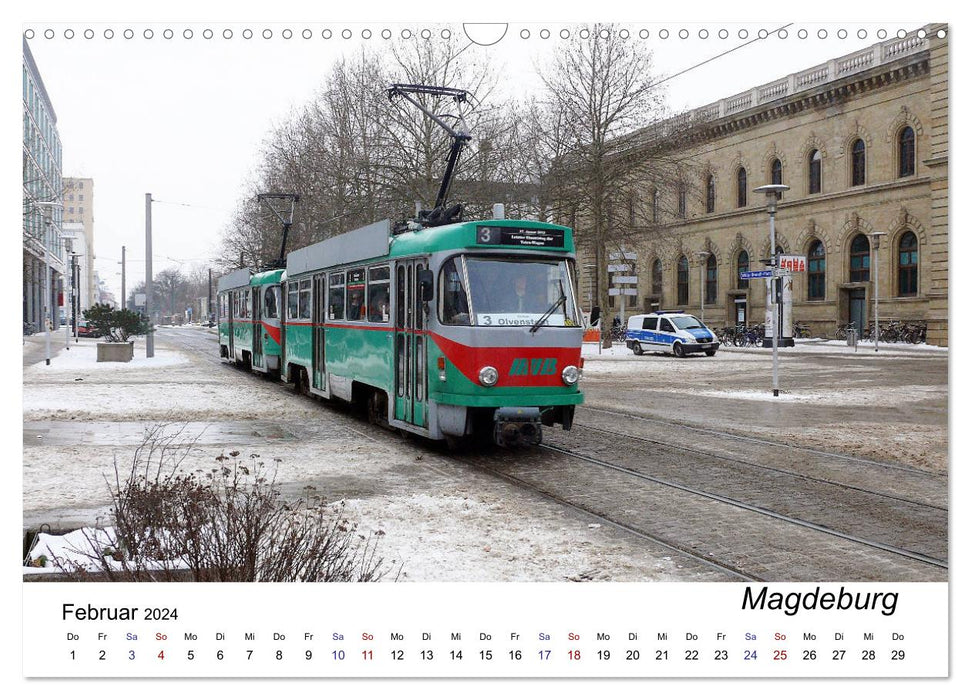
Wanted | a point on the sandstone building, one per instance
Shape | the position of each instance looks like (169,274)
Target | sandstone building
(862,142)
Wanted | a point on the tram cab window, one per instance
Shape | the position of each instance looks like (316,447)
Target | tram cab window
(453,301)
(270,302)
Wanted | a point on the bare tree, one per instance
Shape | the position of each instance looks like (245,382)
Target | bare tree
(601,124)
(355,157)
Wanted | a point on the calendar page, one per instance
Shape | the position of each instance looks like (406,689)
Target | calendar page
(270,431)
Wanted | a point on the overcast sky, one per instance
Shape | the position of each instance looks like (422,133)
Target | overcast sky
(184,118)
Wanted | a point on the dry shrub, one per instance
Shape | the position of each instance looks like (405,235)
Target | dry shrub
(226,524)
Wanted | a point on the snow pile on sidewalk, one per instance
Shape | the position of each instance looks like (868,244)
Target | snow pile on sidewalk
(83,356)
(81,549)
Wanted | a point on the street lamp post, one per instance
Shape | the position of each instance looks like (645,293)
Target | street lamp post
(69,250)
(702,259)
(772,195)
(150,335)
(875,236)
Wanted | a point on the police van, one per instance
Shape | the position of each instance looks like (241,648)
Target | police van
(670,331)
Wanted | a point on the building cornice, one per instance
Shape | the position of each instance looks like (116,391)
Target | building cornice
(833,82)
(813,200)
(829,94)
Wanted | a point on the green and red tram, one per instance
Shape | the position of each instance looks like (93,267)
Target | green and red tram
(250,319)
(453,331)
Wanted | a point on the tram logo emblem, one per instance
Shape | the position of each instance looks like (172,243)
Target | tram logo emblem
(522,366)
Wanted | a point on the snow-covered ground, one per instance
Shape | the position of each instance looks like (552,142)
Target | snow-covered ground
(886,405)
(801,347)
(442,522)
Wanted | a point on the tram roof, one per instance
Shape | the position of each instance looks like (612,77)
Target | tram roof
(233,280)
(375,241)
(266,277)
(508,234)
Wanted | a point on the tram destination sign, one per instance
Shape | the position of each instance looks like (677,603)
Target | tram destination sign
(755,274)
(520,236)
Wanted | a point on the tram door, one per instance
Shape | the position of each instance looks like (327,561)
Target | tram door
(319,310)
(231,320)
(257,327)
(410,351)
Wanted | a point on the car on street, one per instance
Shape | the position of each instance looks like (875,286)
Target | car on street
(86,330)
(670,331)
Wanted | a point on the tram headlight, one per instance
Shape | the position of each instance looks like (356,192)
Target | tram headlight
(570,375)
(488,376)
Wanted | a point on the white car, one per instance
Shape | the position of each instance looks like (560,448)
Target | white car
(670,331)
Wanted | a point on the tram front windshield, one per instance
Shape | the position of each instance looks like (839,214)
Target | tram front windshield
(483,291)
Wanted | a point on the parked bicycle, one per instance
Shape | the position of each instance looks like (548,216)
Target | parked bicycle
(843,329)
(750,336)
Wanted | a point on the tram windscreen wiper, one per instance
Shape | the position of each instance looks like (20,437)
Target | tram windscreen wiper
(549,311)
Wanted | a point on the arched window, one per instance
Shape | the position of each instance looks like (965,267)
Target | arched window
(858,151)
(682,280)
(907,265)
(860,259)
(742,267)
(711,280)
(742,186)
(776,172)
(656,277)
(816,270)
(710,194)
(907,153)
(815,172)
(682,201)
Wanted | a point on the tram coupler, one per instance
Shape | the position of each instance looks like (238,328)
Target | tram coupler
(517,426)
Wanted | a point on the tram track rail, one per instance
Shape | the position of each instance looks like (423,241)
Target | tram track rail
(721,567)
(744,557)
(755,440)
(917,556)
(760,465)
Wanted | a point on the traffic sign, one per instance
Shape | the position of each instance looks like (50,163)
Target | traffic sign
(618,268)
(755,274)
(627,279)
(614,292)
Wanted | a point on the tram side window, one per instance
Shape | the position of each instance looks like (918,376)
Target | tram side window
(335,310)
(292,300)
(379,294)
(269,302)
(356,310)
(244,304)
(303,301)
(453,301)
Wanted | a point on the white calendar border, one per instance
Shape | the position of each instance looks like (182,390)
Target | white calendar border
(563,688)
